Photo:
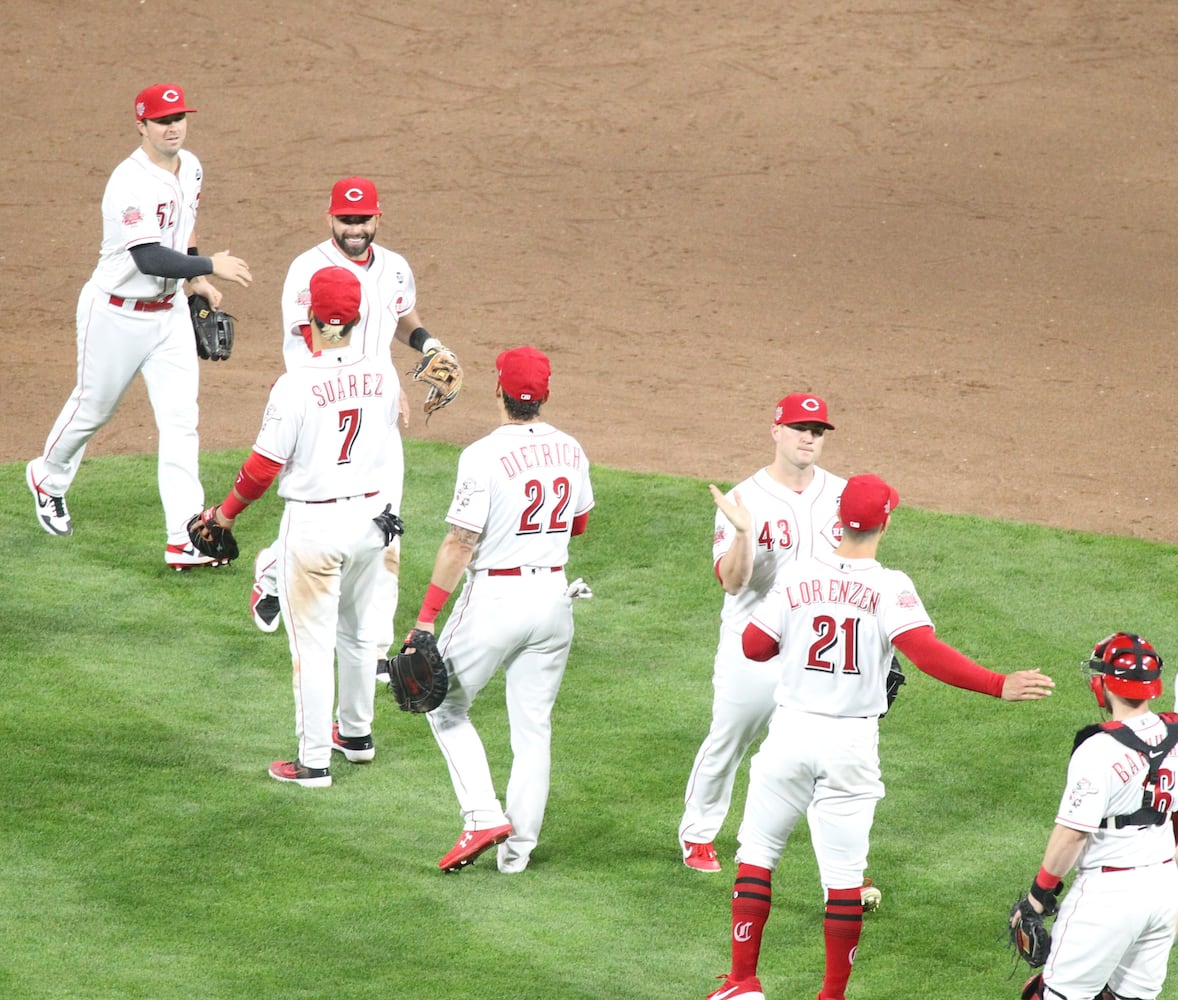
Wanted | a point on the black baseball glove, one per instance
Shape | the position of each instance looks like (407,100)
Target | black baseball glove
(1028,933)
(895,679)
(417,674)
(389,524)
(213,329)
(209,538)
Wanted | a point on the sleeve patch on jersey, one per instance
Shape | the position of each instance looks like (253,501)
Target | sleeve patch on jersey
(907,599)
(720,535)
(304,298)
(132,216)
(1079,792)
(270,414)
(465,493)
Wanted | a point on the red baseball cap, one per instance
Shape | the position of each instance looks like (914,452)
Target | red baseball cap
(524,373)
(866,502)
(159,101)
(354,196)
(335,296)
(802,408)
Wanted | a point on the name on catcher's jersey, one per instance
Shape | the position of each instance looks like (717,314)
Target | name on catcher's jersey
(1106,778)
(144,203)
(332,422)
(834,620)
(520,488)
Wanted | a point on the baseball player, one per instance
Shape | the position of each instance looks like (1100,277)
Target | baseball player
(330,436)
(522,492)
(132,318)
(834,619)
(783,512)
(1115,926)
(388,311)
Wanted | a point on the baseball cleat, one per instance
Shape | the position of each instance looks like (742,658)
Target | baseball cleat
(182,557)
(264,610)
(296,773)
(701,857)
(471,844)
(870,896)
(746,989)
(358,749)
(52,513)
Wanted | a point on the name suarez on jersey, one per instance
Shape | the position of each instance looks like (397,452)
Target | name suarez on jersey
(849,592)
(348,387)
(540,455)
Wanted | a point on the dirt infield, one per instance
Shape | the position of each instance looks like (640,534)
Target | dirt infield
(956,221)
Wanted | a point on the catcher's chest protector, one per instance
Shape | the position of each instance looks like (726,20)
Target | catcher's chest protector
(1148,814)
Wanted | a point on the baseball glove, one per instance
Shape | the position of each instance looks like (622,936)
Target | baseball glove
(440,370)
(896,678)
(417,674)
(209,538)
(213,328)
(1028,933)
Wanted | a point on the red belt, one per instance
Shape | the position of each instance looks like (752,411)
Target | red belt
(1110,868)
(144,305)
(519,570)
(356,496)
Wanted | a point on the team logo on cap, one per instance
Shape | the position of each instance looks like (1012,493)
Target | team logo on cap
(170,96)
(810,404)
(354,194)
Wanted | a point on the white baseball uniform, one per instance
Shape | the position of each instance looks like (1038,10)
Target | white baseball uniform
(1116,922)
(834,620)
(332,423)
(387,292)
(787,526)
(519,488)
(129,322)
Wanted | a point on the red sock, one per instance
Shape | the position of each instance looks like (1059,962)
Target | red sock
(752,896)
(841,928)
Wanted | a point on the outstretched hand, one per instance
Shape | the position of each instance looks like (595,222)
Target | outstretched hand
(1027,685)
(733,509)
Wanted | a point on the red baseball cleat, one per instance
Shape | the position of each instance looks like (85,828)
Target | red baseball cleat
(471,844)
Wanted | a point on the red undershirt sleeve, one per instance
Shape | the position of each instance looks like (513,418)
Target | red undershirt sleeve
(758,645)
(940,660)
(580,523)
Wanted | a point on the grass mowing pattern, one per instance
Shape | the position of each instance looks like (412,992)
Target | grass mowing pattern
(146,854)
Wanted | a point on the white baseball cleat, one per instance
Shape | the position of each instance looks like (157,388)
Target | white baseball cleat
(870,896)
(182,557)
(52,513)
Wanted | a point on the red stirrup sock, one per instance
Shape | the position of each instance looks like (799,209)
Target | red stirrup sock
(752,896)
(841,928)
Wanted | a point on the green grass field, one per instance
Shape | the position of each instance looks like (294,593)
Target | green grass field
(146,854)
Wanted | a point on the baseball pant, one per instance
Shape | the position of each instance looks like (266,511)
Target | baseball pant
(334,593)
(525,624)
(1116,928)
(742,703)
(822,766)
(115,344)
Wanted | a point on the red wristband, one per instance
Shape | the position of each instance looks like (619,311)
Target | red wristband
(1046,880)
(435,599)
(231,506)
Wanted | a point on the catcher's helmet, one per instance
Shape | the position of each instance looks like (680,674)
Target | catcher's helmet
(1126,665)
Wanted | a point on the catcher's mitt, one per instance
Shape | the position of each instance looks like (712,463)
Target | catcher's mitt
(417,674)
(1029,934)
(213,329)
(209,538)
(440,370)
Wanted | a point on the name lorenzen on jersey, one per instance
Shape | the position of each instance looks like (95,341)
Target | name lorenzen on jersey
(540,455)
(351,387)
(848,592)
